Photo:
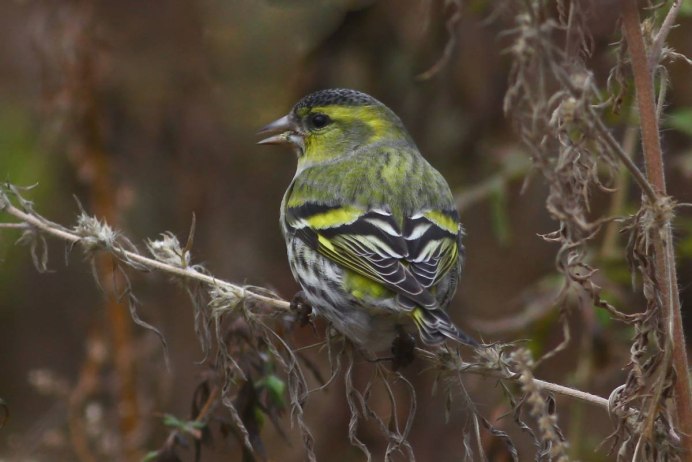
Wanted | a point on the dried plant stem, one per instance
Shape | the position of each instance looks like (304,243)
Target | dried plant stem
(665,270)
(639,177)
(13,226)
(644,86)
(76,62)
(452,24)
(548,386)
(613,144)
(573,393)
(64,234)
(662,35)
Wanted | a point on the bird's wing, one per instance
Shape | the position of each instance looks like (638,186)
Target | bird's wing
(433,242)
(371,244)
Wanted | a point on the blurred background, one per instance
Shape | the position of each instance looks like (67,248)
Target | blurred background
(146,112)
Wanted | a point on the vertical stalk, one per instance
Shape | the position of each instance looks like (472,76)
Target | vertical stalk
(664,262)
(102,198)
(78,85)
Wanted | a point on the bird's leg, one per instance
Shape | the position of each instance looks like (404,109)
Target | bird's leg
(302,308)
(403,348)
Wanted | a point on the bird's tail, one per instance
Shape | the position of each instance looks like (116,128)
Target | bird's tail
(435,326)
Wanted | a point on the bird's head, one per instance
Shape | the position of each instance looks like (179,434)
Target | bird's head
(330,124)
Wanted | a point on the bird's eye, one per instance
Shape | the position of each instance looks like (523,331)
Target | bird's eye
(320,120)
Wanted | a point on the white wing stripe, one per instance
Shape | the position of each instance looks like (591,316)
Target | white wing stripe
(384,226)
(418,231)
(372,243)
(427,252)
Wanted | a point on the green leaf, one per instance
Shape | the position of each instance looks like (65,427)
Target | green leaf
(186,426)
(275,387)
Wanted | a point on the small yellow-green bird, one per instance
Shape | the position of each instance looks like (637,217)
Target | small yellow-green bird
(371,229)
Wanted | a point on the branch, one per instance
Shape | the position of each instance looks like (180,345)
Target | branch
(625,159)
(644,87)
(452,25)
(512,169)
(574,393)
(662,35)
(138,261)
(490,363)
(127,257)
(14,226)
(661,234)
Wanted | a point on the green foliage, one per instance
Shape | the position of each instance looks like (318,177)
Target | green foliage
(275,387)
(185,426)
(681,120)
(686,8)
(20,162)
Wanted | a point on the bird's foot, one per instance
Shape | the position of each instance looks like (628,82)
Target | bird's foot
(403,350)
(303,310)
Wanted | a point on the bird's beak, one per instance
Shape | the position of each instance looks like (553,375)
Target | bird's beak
(283,131)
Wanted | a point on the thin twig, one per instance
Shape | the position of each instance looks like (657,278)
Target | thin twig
(625,159)
(536,304)
(512,170)
(126,255)
(477,368)
(574,393)
(617,204)
(662,35)
(452,26)
(14,226)
(615,147)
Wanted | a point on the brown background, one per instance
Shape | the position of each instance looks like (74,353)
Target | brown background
(171,93)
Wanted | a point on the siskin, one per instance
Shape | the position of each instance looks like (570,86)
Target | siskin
(371,229)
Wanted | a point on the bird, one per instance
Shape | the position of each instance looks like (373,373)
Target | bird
(372,233)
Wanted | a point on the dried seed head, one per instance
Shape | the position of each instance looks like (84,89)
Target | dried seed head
(95,233)
(167,250)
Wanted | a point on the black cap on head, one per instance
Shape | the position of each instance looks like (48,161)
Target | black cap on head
(336,96)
